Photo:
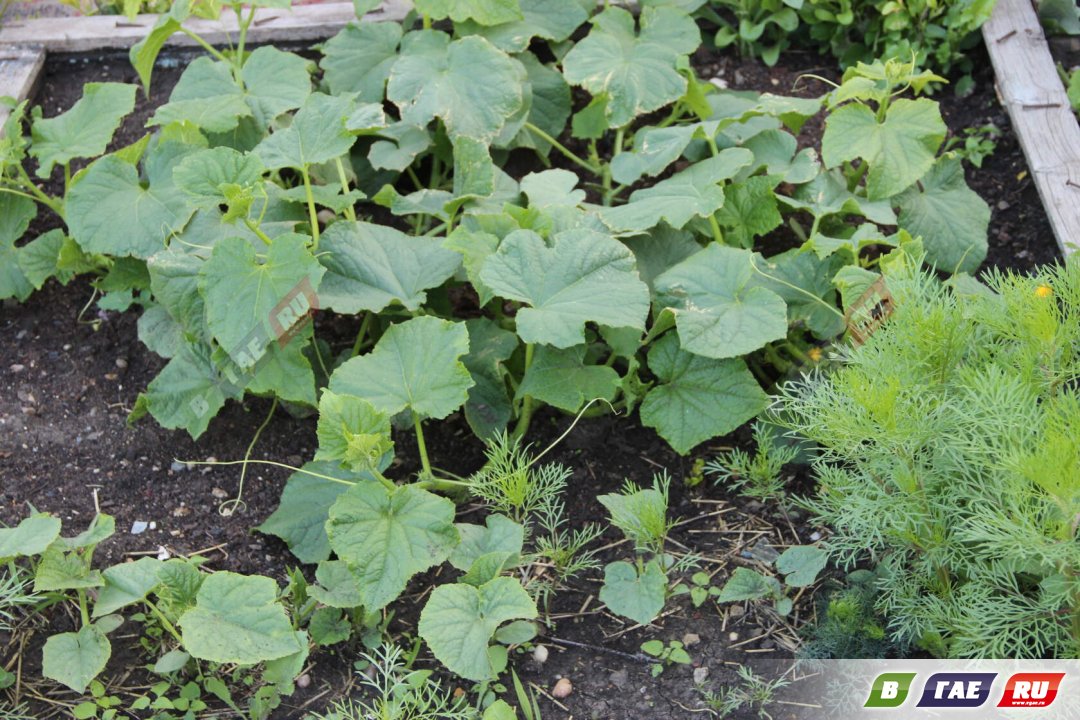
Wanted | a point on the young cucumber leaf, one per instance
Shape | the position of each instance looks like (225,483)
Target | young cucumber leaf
(698,398)
(74,659)
(126,584)
(238,619)
(637,72)
(358,59)
(83,131)
(584,276)
(187,393)
(300,519)
(372,266)
(485,12)
(746,584)
(801,564)
(353,433)
(639,597)
(387,536)
(719,310)
(144,53)
(460,620)
(899,150)
(488,409)
(435,77)
(949,216)
(338,585)
(205,174)
(317,134)
(499,534)
(415,365)
(247,300)
(15,216)
(562,379)
(694,192)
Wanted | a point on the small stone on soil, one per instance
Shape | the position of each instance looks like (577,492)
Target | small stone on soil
(121,363)
(178,467)
(691,639)
(219,493)
(736,611)
(540,654)
(701,674)
(733,636)
(303,681)
(139,527)
(17,368)
(562,688)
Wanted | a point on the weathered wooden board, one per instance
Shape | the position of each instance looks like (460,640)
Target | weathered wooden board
(19,71)
(1031,90)
(85,34)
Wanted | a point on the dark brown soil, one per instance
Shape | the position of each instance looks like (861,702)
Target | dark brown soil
(69,376)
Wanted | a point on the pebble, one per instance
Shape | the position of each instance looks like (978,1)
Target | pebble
(719,82)
(178,467)
(540,654)
(701,674)
(815,536)
(1003,205)
(219,493)
(303,681)
(121,363)
(690,639)
(733,636)
(17,368)
(736,611)
(563,688)
(139,527)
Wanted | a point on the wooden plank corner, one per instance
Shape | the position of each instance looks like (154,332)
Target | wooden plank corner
(20,70)
(1031,90)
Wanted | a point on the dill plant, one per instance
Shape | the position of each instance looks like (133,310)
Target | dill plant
(949,456)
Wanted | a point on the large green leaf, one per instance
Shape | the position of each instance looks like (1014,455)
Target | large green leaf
(697,398)
(437,78)
(372,266)
(499,534)
(353,433)
(488,409)
(174,280)
(30,537)
(126,584)
(83,131)
(415,365)
(550,105)
(189,391)
(317,134)
(660,250)
(300,519)
(694,192)
(358,59)
(949,216)
(387,536)
(639,597)
(720,312)
(338,585)
(238,619)
(109,211)
(284,371)
(584,276)
(749,210)
(638,72)
(75,658)
(206,175)
(899,150)
(39,259)
(561,378)
(274,83)
(15,216)
(206,96)
(553,20)
(244,296)
(459,621)
(484,12)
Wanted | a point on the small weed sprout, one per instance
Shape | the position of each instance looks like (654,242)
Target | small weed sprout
(752,693)
(398,693)
(755,475)
(14,593)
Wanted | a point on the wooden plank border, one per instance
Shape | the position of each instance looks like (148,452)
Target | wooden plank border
(20,68)
(1030,89)
(103,32)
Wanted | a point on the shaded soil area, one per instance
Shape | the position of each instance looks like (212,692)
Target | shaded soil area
(69,375)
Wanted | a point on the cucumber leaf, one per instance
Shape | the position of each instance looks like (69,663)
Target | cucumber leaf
(584,276)
(416,365)
(484,12)
(720,312)
(74,659)
(697,398)
(562,379)
(358,59)
(459,621)
(387,536)
(639,597)
(317,134)
(84,130)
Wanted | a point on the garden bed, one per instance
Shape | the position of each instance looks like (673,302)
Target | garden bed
(71,376)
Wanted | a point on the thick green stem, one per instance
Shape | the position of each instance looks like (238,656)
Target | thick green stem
(606,178)
(361,334)
(84,613)
(28,184)
(312,212)
(717,234)
(525,418)
(258,232)
(218,55)
(422,446)
(350,211)
(566,152)
(169,627)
